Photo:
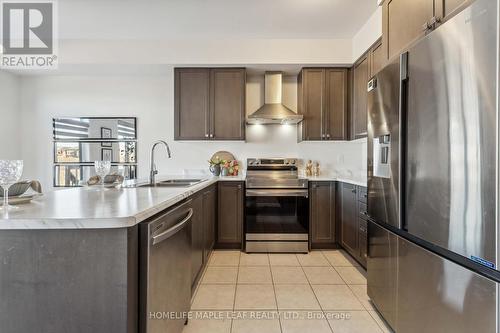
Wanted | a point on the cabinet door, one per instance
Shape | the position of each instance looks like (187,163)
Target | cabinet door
(444,8)
(313,103)
(209,215)
(322,213)
(227,115)
(197,245)
(192,103)
(360,95)
(230,220)
(377,59)
(403,23)
(349,219)
(336,104)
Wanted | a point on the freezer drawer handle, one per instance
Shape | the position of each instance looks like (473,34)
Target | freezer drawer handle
(173,230)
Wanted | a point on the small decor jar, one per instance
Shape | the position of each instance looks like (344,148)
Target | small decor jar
(215,169)
(316,170)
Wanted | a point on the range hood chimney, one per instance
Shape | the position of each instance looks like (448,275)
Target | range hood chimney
(273,112)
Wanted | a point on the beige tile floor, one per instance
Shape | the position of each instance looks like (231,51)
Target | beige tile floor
(323,291)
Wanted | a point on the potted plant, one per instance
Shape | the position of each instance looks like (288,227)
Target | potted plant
(215,164)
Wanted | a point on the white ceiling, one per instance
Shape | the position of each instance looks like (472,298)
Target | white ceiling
(178,19)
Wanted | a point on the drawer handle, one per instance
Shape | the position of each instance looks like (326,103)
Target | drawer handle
(173,230)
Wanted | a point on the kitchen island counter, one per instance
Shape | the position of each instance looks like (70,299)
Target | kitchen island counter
(95,208)
(72,258)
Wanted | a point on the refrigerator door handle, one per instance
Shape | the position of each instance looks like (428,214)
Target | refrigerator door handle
(403,83)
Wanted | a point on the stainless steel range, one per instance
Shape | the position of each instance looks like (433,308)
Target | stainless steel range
(277,206)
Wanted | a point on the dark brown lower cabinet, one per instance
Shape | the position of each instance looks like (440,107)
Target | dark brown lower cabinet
(322,214)
(197,238)
(349,218)
(363,242)
(354,235)
(362,225)
(230,215)
(204,204)
(210,218)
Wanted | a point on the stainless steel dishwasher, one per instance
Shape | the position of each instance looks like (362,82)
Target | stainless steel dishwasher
(165,273)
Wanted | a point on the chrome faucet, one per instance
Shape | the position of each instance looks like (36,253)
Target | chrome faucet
(153,172)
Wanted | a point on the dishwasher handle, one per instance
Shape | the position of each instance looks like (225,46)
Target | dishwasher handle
(173,230)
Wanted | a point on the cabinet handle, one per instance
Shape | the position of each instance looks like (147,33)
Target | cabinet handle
(328,136)
(323,136)
(206,135)
(434,22)
(426,27)
(353,190)
(211,135)
(239,186)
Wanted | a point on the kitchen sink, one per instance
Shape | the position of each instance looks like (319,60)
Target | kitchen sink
(174,183)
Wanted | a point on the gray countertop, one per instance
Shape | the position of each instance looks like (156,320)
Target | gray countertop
(360,181)
(94,208)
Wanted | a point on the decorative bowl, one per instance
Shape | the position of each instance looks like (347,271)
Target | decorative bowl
(17,189)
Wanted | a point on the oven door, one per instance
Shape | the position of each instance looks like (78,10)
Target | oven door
(277,214)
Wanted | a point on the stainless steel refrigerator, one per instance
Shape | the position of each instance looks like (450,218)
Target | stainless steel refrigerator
(433,179)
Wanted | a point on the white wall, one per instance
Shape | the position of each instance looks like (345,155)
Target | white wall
(150,99)
(10,146)
(367,35)
(206,51)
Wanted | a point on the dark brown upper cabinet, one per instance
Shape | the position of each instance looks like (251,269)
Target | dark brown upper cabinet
(448,8)
(364,68)
(210,103)
(377,58)
(322,214)
(322,100)
(360,75)
(192,103)
(404,22)
(227,104)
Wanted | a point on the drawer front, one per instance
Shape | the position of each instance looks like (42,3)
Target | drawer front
(362,194)
(363,225)
(362,213)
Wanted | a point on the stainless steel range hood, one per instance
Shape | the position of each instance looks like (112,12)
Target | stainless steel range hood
(273,112)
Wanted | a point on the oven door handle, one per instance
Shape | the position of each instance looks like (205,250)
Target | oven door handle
(277,193)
